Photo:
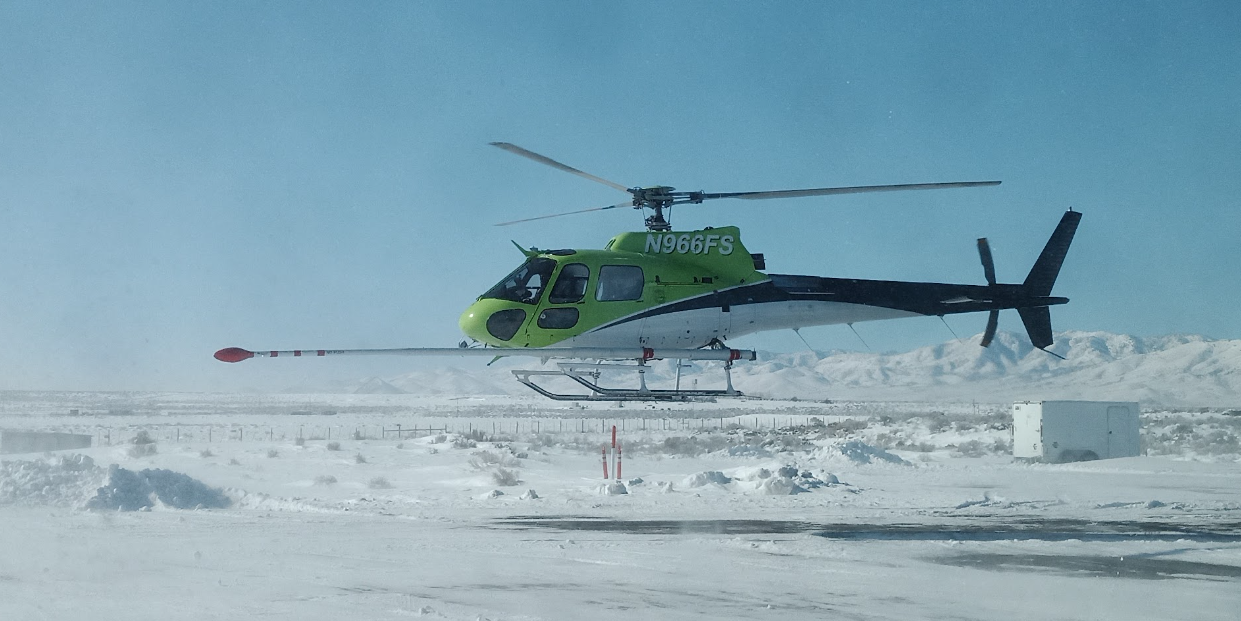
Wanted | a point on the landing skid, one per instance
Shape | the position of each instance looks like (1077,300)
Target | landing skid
(578,371)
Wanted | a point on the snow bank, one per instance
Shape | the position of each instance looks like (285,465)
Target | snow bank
(701,479)
(68,481)
(614,488)
(746,450)
(75,481)
(860,452)
(783,481)
(127,490)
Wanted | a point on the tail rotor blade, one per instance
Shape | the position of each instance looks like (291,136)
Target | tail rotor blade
(988,264)
(988,270)
(993,322)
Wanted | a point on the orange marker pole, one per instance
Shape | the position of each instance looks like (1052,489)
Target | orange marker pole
(618,462)
(605,463)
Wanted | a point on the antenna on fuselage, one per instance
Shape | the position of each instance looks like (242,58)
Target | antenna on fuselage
(859,336)
(797,331)
(950,330)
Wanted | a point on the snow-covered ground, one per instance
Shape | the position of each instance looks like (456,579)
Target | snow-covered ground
(738,509)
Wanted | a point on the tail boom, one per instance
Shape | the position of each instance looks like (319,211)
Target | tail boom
(1030,299)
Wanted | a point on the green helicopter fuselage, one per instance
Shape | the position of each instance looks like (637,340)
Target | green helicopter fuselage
(593,298)
(691,289)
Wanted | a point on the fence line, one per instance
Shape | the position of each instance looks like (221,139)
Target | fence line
(512,427)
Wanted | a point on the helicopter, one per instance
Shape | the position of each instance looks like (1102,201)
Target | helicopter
(679,295)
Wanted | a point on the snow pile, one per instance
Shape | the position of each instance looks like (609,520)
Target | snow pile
(784,481)
(807,480)
(127,490)
(747,450)
(75,481)
(779,486)
(614,488)
(789,480)
(701,479)
(860,452)
(67,481)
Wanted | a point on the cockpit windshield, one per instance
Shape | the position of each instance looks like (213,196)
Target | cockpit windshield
(526,283)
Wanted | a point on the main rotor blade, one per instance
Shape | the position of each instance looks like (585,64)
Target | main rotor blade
(849,190)
(988,264)
(543,159)
(567,213)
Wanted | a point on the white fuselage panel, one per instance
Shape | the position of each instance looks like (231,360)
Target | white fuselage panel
(696,328)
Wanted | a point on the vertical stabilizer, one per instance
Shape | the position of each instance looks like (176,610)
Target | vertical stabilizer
(1042,278)
(1043,275)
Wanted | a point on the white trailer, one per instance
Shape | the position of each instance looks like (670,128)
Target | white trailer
(1064,431)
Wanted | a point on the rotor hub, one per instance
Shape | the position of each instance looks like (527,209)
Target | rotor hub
(655,198)
(659,198)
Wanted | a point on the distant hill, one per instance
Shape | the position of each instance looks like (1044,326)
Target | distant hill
(1170,370)
(1179,370)
(376,386)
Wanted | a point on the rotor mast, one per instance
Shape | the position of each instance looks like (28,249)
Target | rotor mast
(659,198)
(656,221)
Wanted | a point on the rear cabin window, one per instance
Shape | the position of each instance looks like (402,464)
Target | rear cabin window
(558,318)
(570,286)
(619,282)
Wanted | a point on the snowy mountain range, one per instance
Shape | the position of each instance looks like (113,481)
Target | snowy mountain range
(1177,370)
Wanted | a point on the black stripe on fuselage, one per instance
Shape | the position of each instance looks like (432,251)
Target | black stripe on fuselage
(923,298)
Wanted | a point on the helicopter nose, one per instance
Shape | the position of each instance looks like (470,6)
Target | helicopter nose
(473,323)
(488,322)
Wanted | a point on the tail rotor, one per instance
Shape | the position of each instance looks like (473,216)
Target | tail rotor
(1032,298)
(988,270)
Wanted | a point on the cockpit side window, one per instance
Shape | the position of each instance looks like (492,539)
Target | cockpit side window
(570,285)
(619,282)
(526,283)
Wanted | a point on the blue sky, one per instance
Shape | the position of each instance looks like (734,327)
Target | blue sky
(175,178)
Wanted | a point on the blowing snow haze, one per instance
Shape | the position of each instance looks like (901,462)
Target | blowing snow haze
(1169,371)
